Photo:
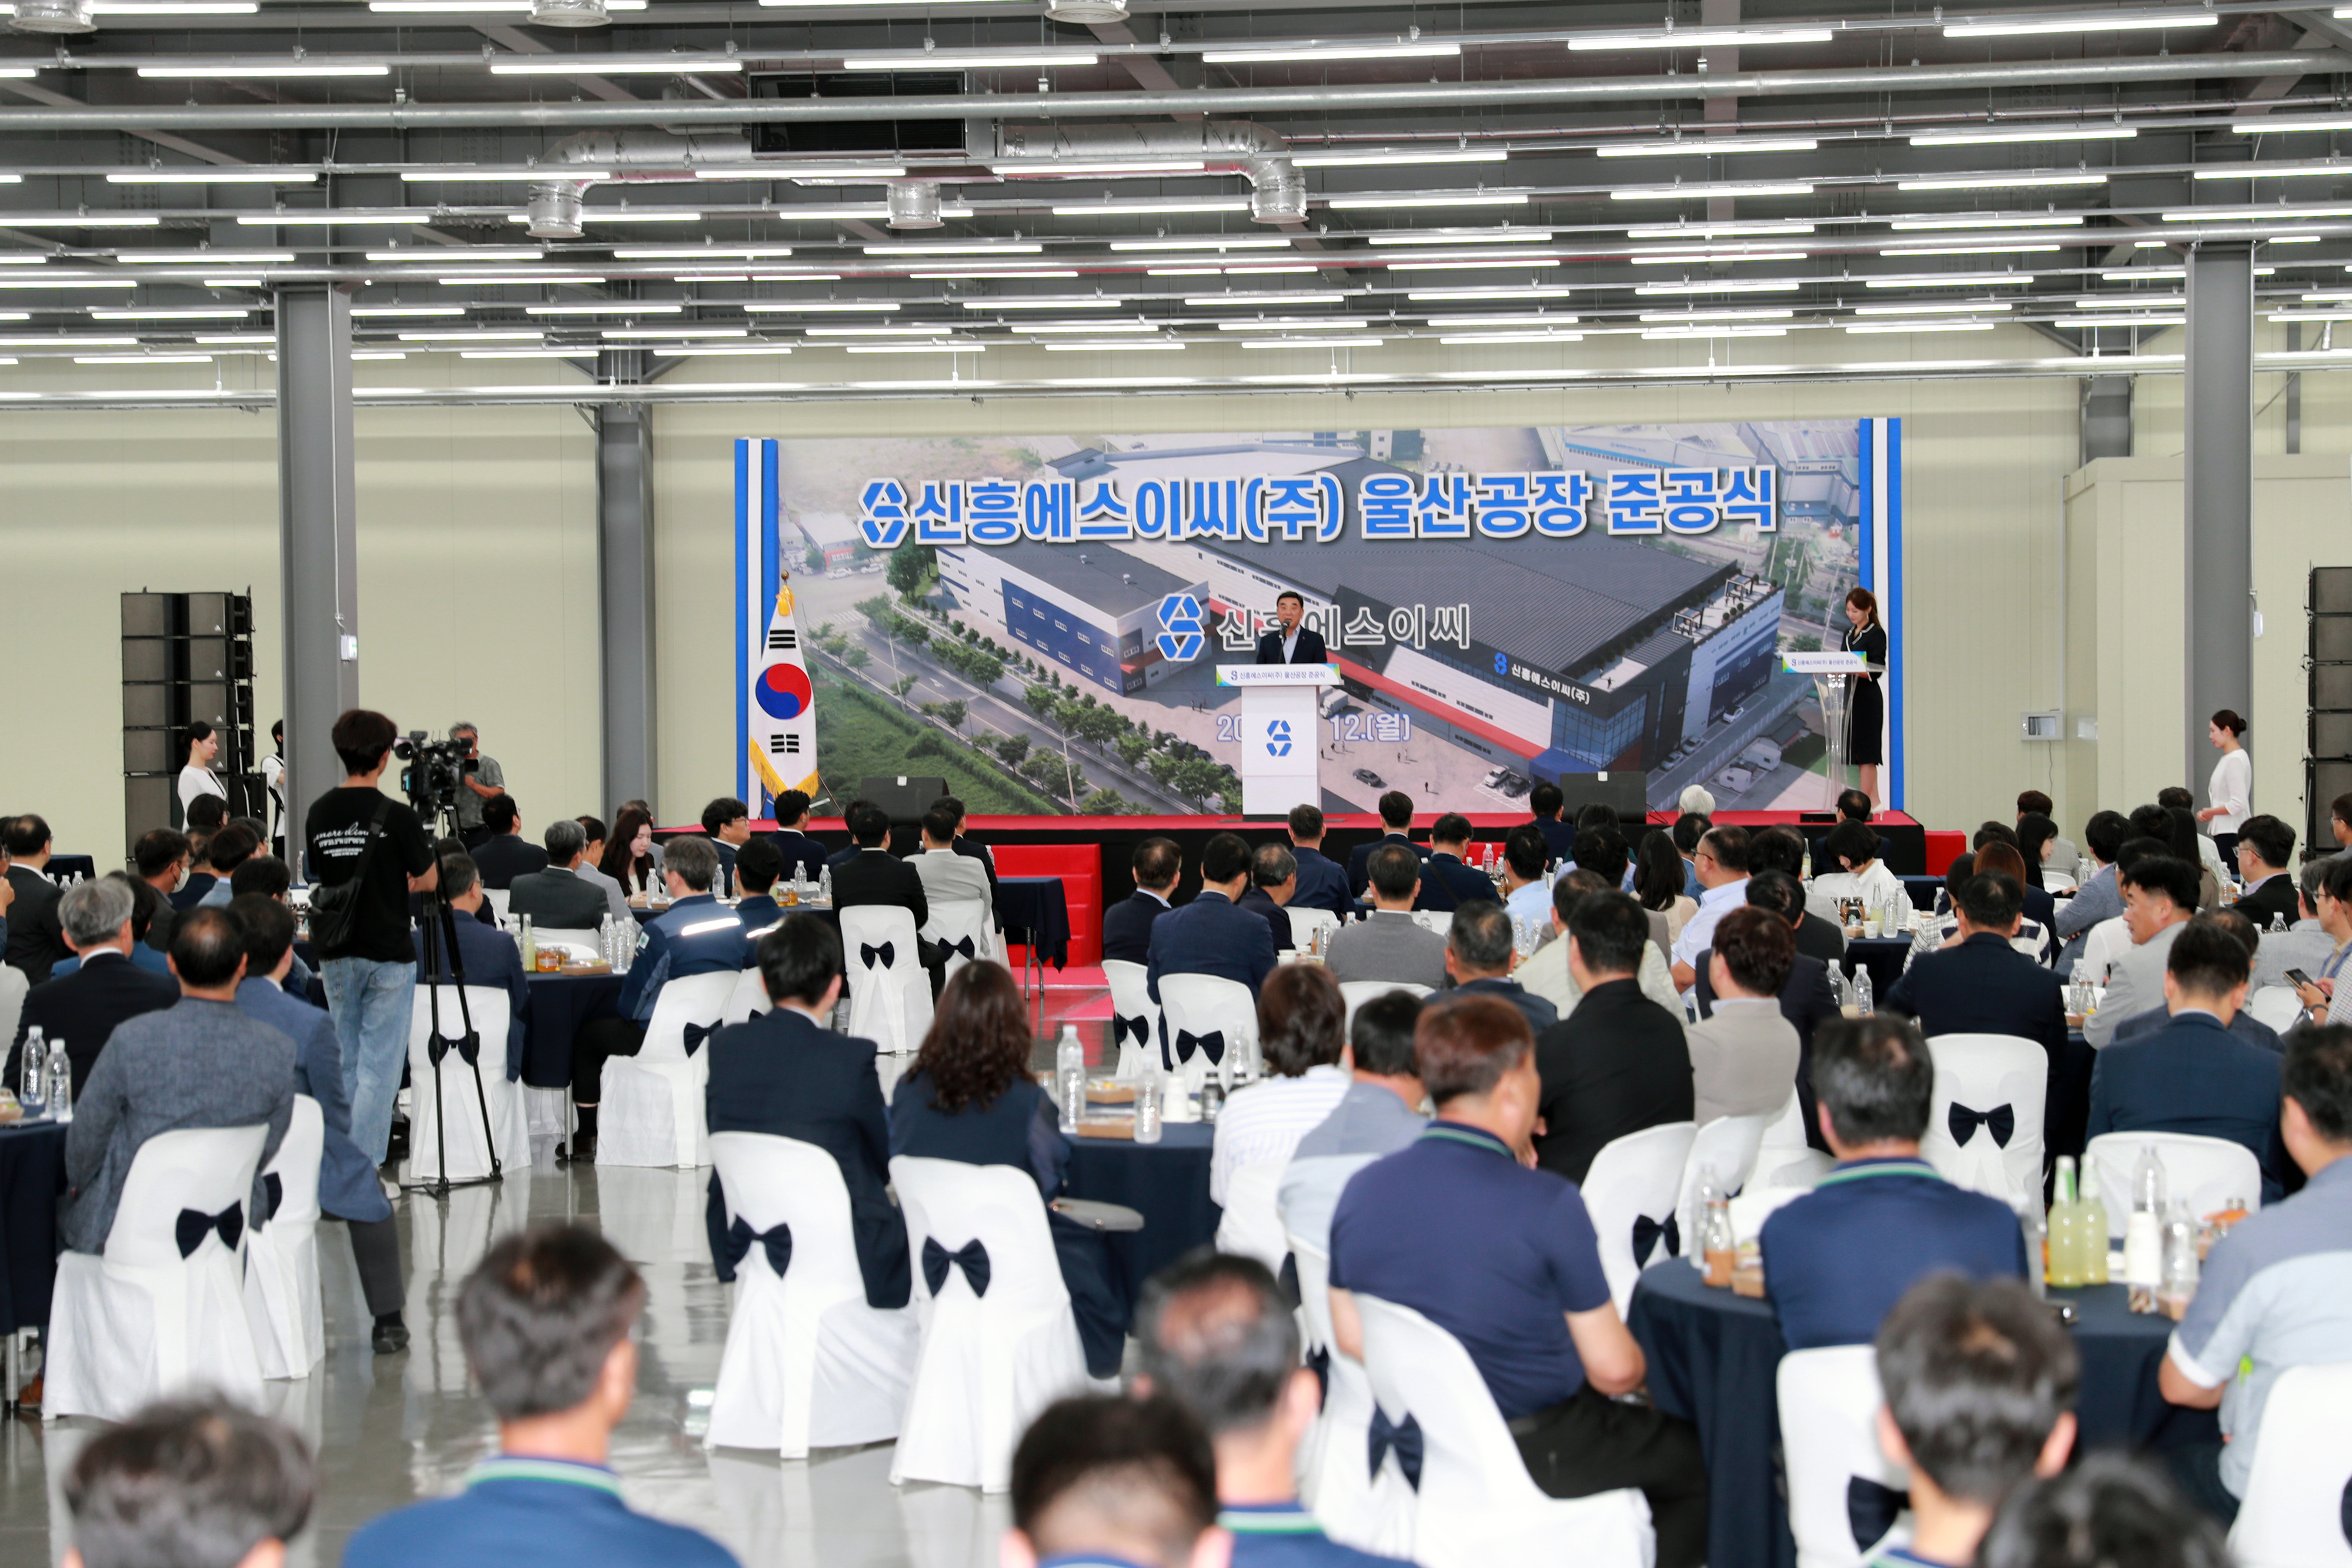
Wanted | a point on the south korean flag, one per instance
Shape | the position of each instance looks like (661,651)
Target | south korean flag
(781,719)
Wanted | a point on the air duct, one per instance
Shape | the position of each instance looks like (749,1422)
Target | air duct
(1084,13)
(52,17)
(1279,190)
(914,205)
(570,13)
(554,205)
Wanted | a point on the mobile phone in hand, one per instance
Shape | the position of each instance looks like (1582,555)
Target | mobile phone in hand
(2297,977)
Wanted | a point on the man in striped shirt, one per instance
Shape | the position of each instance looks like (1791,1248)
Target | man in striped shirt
(1302,1023)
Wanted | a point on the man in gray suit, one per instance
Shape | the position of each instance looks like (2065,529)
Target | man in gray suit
(2307,945)
(2099,898)
(559,898)
(1478,957)
(1389,944)
(2159,897)
(947,876)
(1744,1054)
(202,1063)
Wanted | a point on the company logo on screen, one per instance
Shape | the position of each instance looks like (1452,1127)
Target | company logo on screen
(1180,628)
(1277,737)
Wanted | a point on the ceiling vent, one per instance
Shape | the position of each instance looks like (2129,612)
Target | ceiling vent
(1082,12)
(915,205)
(52,17)
(569,14)
(554,209)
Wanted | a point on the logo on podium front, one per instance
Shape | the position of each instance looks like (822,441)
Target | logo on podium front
(1277,737)
(1180,628)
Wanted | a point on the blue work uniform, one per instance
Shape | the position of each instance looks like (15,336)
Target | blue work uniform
(517,1510)
(1284,1535)
(696,936)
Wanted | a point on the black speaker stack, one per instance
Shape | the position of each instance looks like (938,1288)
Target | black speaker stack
(2327,750)
(186,657)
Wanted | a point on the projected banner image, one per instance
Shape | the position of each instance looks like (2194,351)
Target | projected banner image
(1039,619)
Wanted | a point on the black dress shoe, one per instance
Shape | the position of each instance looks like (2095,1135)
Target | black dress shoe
(390,1339)
(584,1149)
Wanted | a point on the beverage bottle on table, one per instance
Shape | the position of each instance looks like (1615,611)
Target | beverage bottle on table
(825,886)
(1147,1105)
(1070,1076)
(60,1082)
(2148,1183)
(2065,1253)
(529,948)
(1212,1098)
(32,1075)
(1862,998)
(1717,1242)
(2180,1282)
(2036,1228)
(2094,1228)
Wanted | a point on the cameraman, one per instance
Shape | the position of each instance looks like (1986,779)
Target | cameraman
(487,782)
(371,974)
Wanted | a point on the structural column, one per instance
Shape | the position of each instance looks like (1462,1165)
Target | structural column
(2220,492)
(624,532)
(318,537)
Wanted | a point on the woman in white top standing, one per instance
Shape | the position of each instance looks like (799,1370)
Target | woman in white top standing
(2232,789)
(197,777)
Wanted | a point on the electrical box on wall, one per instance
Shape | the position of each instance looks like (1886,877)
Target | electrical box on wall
(2040,725)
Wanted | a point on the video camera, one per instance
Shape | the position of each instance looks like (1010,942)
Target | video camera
(434,770)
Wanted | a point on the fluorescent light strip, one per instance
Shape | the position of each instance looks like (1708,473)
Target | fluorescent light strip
(2254,214)
(1679,332)
(1219,242)
(23,258)
(1081,168)
(512,280)
(977,276)
(1693,190)
(696,252)
(1046,302)
(1985,221)
(1515,338)
(460,7)
(232,282)
(212,177)
(227,339)
(1716,231)
(1726,286)
(1374,159)
(52,281)
(56,340)
(675,331)
(378,354)
(2091,23)
(1206,301)
(1950,280)
(230,312)
(582,353)
(1156,345)
(1704,146)
(1508,318)
(2281,125)
(282,219)
(2339,315)
(978,248)
(885,331)
(1311,54)
(977,60)
(591,66)
(2001,182)
(461,252)
(840,173)
(505,176)
(2015,248)
(917,348)
(1506,291)
(1296,323)
(2274,171)
(1698,37)
(363,312)
(1128,209)
(2094,322)
(1044,327)
(471,336)
(199,257)
(1432,199)
(1920,327)
(810,306)
(722,350)
(2113,302)
(2002,135)
(608,307)
(142,359)
(1717,315)
(1485,264)
(641,215)
(1952,309)
(1505,235)
(1677,257)
(1313,342)
(248,69)
(82,221)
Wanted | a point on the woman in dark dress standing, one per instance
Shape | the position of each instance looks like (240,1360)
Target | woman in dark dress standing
(969,1097)
(1865,706)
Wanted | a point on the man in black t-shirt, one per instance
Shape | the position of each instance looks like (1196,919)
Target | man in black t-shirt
(371,975)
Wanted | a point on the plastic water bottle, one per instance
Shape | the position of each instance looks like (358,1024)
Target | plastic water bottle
(2094,1239)
(33,1077)
(1070,1076)
(1862,998)
(2078,990)
(529,948)
(2148,1183)
(825,886)
(1148,1092)
(2036,1228)
(60,1082)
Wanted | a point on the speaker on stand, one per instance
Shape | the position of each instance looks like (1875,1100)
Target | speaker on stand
(186,657)
(2328,743)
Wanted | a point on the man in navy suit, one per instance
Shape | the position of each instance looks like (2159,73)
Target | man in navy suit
(1396,817)
(2194,1075)
(1981,985)
(84,1008)
(1559,837)
(1447,880)
(2266,859)
(1127,925)
(504,853)
(802,855)
(787,1073)
(1274,884)
(1322,881)
(1291,644)
(757,866)
(1213,935)
(488,953)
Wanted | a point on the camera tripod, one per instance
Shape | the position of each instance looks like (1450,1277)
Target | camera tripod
(441,951)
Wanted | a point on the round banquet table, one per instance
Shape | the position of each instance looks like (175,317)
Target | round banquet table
(1167,1183)
(32,1175)
(560,1004)
(1714,1358)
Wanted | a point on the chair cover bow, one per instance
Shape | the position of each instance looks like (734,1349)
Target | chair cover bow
(2001,1119)
(1648,1232)
(1138,1025)
(1404,1438)
(696,1034)
(471,1047)
(1319,1361)
(273,1193)
(193,1224)
(777,1242)
(1213,1042)
(880,957)
(962,944)
(972,1257)
(1871,1509)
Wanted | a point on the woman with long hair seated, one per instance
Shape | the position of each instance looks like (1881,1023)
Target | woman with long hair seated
(969,1097)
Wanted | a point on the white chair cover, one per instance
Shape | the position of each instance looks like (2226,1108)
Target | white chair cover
(1251,1224)
(1786,1159)
(1203,1006)
(2204,1172)
(989,1363)
(1134,1016)
(1829,1430)
(1633,1179)
(12,988)
(2291,1515)
(459,1110)
(955,921)
(808,1364)
(650,1105)
(1356,993)
(2055,882)
(1333,1481)
(1438,920)
(1476,1507)
(141,1323)
(1984,1072)
(889,1004)
(498,898)
(747,1000)
(1306,922)
(2275,1006)
(1730,1145)
(282,1256)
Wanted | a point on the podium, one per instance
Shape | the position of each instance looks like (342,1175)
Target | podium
(1279,715)
(1832,674)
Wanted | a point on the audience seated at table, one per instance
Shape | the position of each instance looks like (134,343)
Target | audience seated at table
(629,859)
(546,1322)
(2041,909)
(872,877)
(2197,849)
(695,935)
(504,853)
(36,932)
(1378,1114)
(1526,881)
(2108,1510)
(1807,997)
(1837,1260)
(1273,883)
(2192,1075)
(1216,1334)
(2063,854)
(1980,984)
(145,903)
(2098,898)
(1595,818)
(1396,823)
(1127,925)
(949,877)
(236,842)
(1301,1032)
(1944,925)
(2159,898)
(1447,879)
(208,816)
(1688,829)
(1322,881)
(195,1481)
(488,954)
(1980,1383)
(1847,865)
(348,1187)
(556,896)
(160,860)
(1545,972)
(2252,1030)
(726,824)
(2266,862)
(1549,802)
(1744,1055)
(590,868)
(787,1073)
(1618,1062)
(201,1062)
(2037,837)
(1213,935)
(1389,944)
(2104,944)
(1504,1258)
(966,846)
(2271,1294)
(1721,862)
(970,1098)
(757,866)
(2307,943)
(1658,874)
(1779,849)
(84,1008)
(1113,1479)
(804,856)
(1479,950)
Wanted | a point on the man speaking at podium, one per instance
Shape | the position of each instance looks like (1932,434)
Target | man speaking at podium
(1291,644)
